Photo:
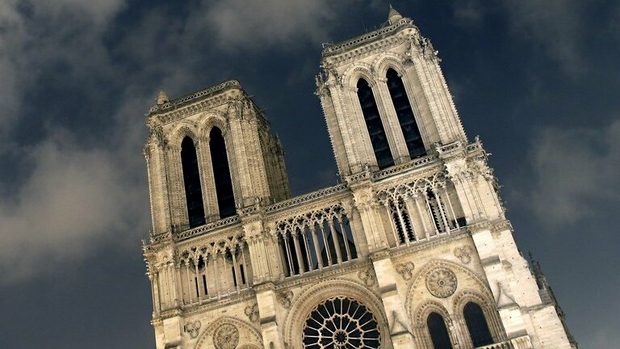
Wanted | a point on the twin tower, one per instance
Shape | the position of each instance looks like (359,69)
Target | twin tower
(412,250)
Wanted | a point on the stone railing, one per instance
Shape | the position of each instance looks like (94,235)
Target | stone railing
(415,163)
(195,96)
(184,235)
(381,33)
(314,196)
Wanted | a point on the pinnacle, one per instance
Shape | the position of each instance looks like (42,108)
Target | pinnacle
(394,16)
(162,97)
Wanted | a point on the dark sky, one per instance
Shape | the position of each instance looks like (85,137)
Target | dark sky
(539,81)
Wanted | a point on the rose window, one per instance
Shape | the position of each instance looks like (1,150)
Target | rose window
(341,323)
(441,282)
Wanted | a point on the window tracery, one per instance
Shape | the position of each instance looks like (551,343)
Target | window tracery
(314,240)
(422,209)
(214,269)
(341,323)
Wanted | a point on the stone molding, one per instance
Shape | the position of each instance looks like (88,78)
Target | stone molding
(311,297)
(244,329)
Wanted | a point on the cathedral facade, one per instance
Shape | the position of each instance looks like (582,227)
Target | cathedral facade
(411,250)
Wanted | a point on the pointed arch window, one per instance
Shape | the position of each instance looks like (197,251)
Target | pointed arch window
(406,118)
(221,174)
(191,178)
(374,125)
(439,332)
(477,325)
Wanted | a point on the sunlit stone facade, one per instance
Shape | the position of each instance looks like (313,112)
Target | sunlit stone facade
(411,250)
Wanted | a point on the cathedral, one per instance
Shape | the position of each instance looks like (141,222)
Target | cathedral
(411,250)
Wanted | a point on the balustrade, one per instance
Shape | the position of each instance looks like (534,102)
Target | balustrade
(214,268)
(315,240)
(421,210)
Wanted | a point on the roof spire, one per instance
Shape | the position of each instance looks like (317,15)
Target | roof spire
(162,97)
(394,15)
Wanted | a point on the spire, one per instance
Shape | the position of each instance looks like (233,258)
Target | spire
(394,15)
(162,97)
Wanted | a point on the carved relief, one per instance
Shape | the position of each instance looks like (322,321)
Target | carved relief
(226,337)
(285,298)
(251,311)
(367,276)
(192,328)
(463,254)
(405,270)
(441,282)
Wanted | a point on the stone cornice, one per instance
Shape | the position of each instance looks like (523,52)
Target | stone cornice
(197,102)
(376,35)
(193,97)
(434,242)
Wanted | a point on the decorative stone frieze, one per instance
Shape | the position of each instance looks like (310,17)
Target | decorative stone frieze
(367,276)
(226,337)
(285,298)
(251,311)
(441,282)
(405,270)
(463,253)
(192,328)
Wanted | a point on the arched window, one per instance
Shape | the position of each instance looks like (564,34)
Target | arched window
(341,322)
(477,325)
(415,146)
(439,332)
(374,125)
(221,173)
(191,178)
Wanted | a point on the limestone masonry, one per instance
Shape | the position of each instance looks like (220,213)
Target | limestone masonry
(412,250)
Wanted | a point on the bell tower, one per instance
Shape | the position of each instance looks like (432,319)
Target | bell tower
(412,249)
(387,103)
(208,154)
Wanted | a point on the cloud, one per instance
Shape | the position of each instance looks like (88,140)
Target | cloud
(12,37)
(575,173)
(555,24)
(77,191)
(268,23)
(39,37)
(469,12)
(73,199)
(99,12)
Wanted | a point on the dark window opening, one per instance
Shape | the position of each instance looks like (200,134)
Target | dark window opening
(204,284)
(242,272)
(196,283)
(191,178)
(437,211)
(406,118)
(439,332)
(402,221)
(374,125)
(477,325)
(221,173)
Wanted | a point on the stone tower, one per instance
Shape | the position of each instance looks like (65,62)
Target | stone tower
(412,250)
